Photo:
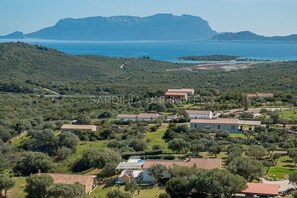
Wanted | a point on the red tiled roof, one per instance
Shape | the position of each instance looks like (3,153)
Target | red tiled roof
(262,189)
(204,163)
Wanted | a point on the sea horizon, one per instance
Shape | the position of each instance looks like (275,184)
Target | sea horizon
(171,50)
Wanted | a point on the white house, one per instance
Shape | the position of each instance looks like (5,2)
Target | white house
(132,169)
(147,116)
(73,127)
(197,114)
(183,90)
(170,117)
(127,117)
(227,124)
(138,117)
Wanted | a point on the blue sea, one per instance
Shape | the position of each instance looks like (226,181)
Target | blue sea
(171,50)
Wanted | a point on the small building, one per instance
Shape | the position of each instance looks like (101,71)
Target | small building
(202,163)
(148,116)
(176,96)
(260,95)
(170,117)
(187,91)
(228,124)
(73,127)
(179,94)
(138,117)
(260,190)
(88,181)
(127,117)
(196,114)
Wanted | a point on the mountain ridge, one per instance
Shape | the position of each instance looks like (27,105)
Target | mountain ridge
(156,27)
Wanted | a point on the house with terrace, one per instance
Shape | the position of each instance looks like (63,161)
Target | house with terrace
(179,94)
(176,96)
(233,125)
(130,170)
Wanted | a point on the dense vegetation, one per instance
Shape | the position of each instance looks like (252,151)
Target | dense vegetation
(30,121)
(34,67)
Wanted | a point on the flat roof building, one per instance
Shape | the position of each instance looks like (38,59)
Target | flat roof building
(204,163)
(260,95)
(183,90)
(73,127)
(261,190)
(227,124)
(138,117)
(199,114)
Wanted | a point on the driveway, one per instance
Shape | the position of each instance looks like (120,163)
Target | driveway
(284,185)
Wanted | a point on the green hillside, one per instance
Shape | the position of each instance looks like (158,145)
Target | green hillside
(35,66)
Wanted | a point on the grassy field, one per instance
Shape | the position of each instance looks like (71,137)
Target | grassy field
(146,191)
(18,190)
(156,138)
(283,168)
(289,114)
(65,165)
(238,135)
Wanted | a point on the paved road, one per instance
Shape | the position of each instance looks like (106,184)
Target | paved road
(284,185)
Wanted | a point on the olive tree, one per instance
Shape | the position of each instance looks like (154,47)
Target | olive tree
(5,184)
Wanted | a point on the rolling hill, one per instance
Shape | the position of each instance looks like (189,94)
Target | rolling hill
(32,65)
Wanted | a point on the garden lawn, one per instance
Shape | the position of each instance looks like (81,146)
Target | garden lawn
(283,168)
(156,138)
(146,191)
(289,114)
(18,190)
(238,135)
(149,192)
(101,190)
(65,165)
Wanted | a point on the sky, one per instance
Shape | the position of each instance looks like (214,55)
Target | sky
(264,17)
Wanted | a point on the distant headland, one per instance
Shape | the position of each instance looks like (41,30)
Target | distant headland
(156,27)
